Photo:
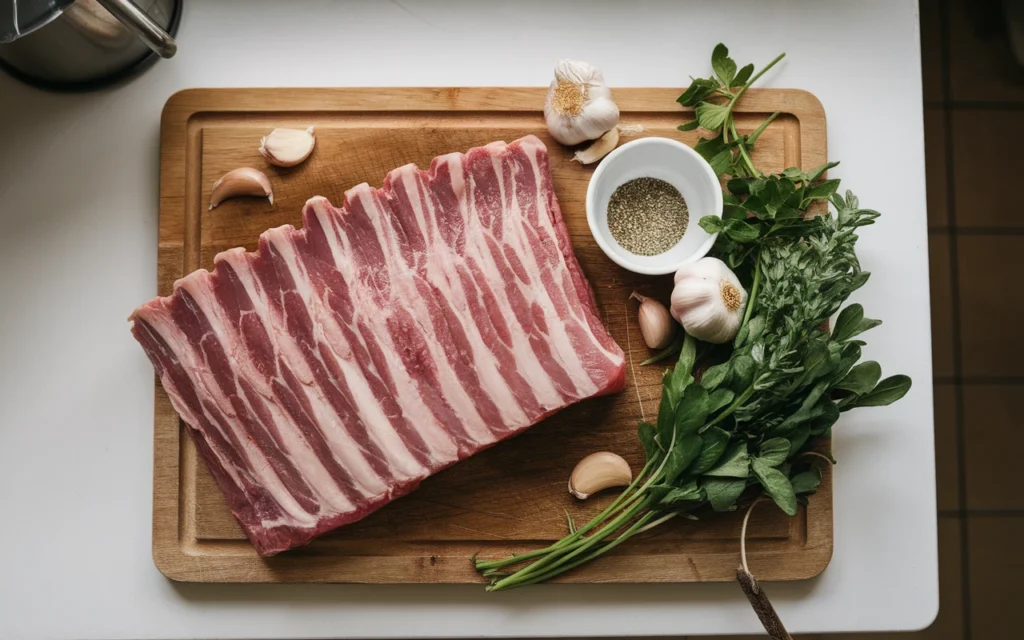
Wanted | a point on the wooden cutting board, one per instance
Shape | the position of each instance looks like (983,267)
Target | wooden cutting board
(512,497)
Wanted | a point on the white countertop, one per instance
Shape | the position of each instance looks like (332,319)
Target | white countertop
(78,203)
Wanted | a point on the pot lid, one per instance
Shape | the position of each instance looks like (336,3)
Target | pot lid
(21,17)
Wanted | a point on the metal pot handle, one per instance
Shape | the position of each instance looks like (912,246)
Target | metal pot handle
(139,23)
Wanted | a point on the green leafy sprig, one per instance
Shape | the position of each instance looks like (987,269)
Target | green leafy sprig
(756,422)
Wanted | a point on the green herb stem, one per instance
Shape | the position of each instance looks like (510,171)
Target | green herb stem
(736,98)
(756,133)
(639,526)
(613,508)
(736,404)
(552,562)
(742,147)
(752,300)
(757,75)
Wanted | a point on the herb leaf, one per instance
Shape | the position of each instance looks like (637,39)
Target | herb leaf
(861,379)
(734,463)
(714,442)
(773,452)
(743,75)
(648,439)
(723,492)
(723,65)
(711,116)
(776,485)
(699,89)
(851,322)
(806,482)
(686,450)
(885,392)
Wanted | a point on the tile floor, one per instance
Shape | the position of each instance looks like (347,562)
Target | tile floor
(974,109)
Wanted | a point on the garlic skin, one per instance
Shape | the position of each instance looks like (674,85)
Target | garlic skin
(597,472)
(656,324)
(709,301)
(579,107)
(599,148)
(287,147)
(245,181)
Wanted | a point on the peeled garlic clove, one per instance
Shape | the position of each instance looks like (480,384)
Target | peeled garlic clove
(287,147)
(599,471)
(241,182)
(599,148)
(656,324)
(579,107)
(709,301)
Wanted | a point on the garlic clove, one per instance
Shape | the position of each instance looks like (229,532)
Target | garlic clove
(245,181)
(287,147)
(579,106)
(657,326)
(708,300)
(599,148)
(599,471)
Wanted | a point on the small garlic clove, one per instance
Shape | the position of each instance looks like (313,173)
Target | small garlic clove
(657,326)
(599,471)
(287,147)
(599,148)
(245,181)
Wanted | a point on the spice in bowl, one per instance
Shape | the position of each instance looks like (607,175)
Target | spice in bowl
(647,216)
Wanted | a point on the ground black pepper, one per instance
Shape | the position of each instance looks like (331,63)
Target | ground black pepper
(647,216)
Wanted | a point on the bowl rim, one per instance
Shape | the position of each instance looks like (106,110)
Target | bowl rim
(615,254)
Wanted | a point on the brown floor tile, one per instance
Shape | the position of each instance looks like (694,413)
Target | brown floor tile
(981,65)
(996,564)
(947,465)
(986,165)
(936,168)
(993,440)
(942,306)
(931,49)
(991,298)
(949,623)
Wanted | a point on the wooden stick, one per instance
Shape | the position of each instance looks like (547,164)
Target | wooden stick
(758,599)
(762,606)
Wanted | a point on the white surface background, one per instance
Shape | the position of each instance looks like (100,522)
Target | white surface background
(78,203)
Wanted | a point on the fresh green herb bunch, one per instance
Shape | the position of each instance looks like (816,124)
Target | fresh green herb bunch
(756,422)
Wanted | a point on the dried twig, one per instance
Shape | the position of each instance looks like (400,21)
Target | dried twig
(758,598)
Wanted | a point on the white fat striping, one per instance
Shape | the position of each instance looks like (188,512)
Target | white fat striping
(199,373)
(295,446)
(549,229)
(378,426)
(440,271)
(403,291)
(342,445)
(562,347)
(526,358)
(408,394)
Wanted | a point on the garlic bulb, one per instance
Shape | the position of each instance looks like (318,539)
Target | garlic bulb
(656,324)
(709,301)
(579,106)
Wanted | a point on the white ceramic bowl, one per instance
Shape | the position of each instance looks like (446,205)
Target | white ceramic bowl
(675,163)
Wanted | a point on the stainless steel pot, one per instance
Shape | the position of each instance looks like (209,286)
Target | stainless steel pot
(83,44)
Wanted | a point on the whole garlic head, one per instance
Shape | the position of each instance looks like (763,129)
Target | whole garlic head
(579,106)
(709,301)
